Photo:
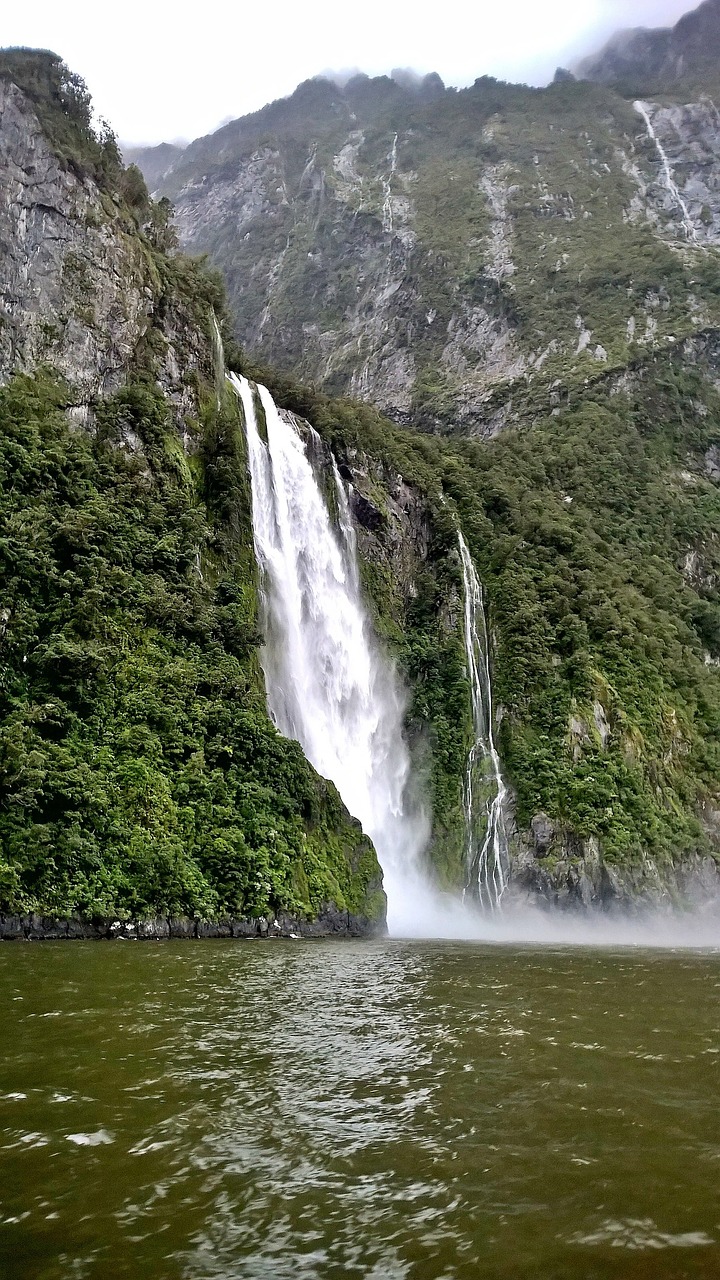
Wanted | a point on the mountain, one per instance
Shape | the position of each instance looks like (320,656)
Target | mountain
(528,286)
(154,162)
(440,258)
(678,60)
(141,779)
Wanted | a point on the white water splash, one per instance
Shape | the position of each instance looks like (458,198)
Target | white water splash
(671,184)
(486,852)
(328,683)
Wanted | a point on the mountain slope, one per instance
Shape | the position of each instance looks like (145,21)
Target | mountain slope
(140,776)
(139,767)
(437,258)
(677,60)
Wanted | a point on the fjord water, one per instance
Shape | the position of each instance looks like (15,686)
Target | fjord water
(390,1110)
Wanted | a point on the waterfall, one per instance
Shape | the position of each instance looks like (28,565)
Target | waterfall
(670,182)
(486,853)
(329,684)
(387,209)
(218,356)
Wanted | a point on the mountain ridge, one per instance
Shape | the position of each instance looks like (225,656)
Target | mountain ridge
(667,59)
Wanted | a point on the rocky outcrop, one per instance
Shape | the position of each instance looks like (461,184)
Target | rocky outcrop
(330,923)
(578,879)
(81,289)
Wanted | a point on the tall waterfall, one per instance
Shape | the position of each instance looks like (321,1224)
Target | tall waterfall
(329,685)
(486,852)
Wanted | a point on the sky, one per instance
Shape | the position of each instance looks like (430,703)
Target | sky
(161,72)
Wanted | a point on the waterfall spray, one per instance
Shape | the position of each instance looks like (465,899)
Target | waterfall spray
(486,852)
(329,684)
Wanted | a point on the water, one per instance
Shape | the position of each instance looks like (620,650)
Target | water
(329,684)
(387,209)
(670,182)
(390,1111)
(486,854)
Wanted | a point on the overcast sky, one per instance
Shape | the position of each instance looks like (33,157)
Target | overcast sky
(162,71)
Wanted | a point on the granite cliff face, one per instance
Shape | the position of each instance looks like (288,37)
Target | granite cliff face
(439,257)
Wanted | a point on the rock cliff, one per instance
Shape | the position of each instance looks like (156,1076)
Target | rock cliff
(533,274)
(143,789)
(437,258)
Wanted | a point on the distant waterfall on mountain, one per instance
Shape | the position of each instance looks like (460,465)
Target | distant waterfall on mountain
(329,685)
(486,851)
(670,183)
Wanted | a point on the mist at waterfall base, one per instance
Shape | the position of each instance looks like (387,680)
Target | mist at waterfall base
(331,687)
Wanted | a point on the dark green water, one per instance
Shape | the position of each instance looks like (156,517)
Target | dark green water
(384,1110)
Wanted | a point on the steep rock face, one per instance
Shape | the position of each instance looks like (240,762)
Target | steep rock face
(80,290)
(143,789)
(683,197)
(437,258)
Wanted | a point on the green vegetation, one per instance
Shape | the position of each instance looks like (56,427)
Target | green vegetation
(139,773)
(64,108)
(595,534)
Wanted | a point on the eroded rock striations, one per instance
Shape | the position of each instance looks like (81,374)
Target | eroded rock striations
(438,257)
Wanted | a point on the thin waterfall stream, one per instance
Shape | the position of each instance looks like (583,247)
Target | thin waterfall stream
(486,850)
(329,683)
(670,183)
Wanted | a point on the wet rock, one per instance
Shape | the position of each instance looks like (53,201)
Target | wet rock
(151,930)
(45,927)
(543,834)
(712,463)
(214,929)
(182,927)
(245,928)
(365,512)
(12,929)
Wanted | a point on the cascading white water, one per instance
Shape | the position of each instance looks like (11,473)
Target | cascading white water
(670,182)
(328,683)
(486,852)
(387,209)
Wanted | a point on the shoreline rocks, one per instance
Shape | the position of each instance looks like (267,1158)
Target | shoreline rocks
(331,923)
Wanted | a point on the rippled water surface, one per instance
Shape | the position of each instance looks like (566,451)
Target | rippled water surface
(389,1110)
